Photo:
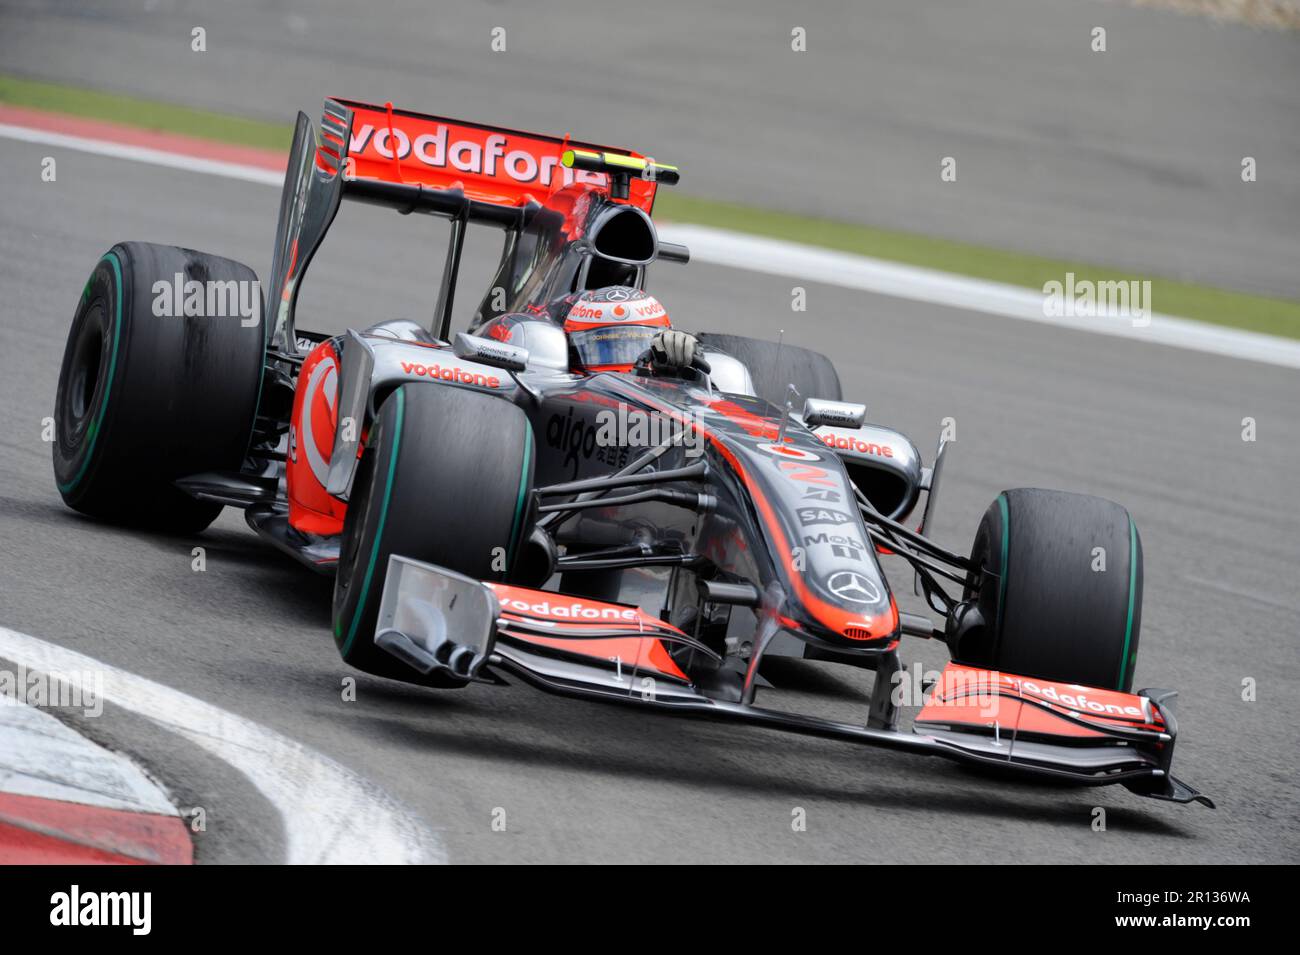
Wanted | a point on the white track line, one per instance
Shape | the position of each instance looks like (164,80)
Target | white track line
(812,264)
(154,157)
(330,814)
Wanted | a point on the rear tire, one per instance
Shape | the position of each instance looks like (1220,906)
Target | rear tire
(1049,610)
(446,477)
(774,367)
(144,399)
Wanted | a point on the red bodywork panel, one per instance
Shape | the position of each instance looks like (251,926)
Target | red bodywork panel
(505,167)
(539,612)
(312,510)
(971,698)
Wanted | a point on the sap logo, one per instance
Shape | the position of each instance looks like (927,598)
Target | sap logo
(822,515)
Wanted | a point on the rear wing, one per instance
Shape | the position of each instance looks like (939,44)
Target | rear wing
(503,167)
(412,162)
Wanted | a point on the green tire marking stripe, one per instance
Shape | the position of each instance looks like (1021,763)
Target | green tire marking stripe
(516,529)
(1132,591)
(1006,532)
(97,425)
(383,517)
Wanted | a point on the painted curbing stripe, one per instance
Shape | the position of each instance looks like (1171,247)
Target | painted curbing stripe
(41,831)
(65,800)
(22,846)
(101,130)
(144,154)
(804,262)
(329,813)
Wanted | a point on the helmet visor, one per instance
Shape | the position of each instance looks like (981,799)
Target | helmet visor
(611,345)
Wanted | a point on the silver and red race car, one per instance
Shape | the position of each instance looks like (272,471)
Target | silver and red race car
(493,503)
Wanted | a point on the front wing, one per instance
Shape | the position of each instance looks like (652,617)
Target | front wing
(432,618)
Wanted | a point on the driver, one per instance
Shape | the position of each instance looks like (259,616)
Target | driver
(610,329)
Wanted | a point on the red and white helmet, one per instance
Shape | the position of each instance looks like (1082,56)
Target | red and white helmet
(610,328)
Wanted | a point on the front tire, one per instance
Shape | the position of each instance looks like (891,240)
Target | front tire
(145,398)
(446,477)
(1061,598)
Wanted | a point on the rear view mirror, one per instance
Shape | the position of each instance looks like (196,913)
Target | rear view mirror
(837,414)
(489,352)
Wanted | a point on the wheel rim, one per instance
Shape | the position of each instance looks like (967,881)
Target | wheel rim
(84,373)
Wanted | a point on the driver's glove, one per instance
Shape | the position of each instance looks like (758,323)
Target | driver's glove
(671,350)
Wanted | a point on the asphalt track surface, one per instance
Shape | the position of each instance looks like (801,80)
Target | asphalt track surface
(1156,428)
(1129,158)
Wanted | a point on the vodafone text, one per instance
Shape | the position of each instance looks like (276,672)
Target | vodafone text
(492,157)
(570,611)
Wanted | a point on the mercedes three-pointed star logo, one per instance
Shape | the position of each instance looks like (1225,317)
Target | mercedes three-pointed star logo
(850,585)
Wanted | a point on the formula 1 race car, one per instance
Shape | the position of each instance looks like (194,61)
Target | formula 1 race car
(493,506)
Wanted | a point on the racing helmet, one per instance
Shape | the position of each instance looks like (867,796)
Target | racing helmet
(610,328)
